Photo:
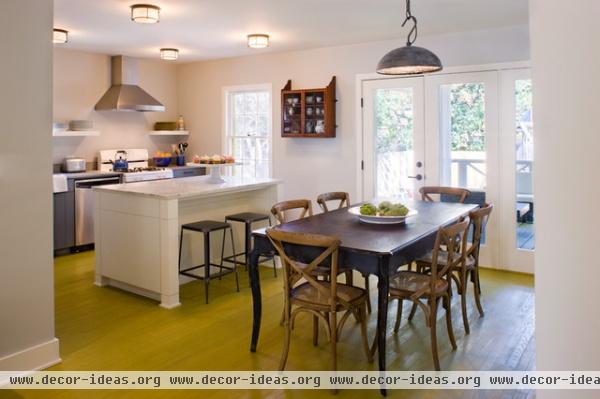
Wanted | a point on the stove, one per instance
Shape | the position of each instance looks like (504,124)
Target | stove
(138,169)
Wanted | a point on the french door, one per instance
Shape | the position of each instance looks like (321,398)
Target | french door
(393,139)
(517,163)
(461,141)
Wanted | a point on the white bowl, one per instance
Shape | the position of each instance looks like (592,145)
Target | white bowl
(381,219)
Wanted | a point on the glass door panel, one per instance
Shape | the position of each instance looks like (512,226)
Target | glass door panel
(518,197)
(461,141)
(393,138)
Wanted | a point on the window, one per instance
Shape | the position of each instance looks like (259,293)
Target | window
(248,129)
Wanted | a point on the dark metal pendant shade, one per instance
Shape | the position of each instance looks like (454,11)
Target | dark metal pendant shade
(409,60)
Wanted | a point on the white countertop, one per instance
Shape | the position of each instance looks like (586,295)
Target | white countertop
(189,187)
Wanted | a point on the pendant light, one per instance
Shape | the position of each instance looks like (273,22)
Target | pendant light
(409,60)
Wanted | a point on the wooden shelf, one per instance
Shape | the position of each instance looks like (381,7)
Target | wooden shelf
(302,124)
(169,133)
(76,133)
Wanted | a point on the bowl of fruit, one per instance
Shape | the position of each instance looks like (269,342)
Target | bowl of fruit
(386,212)
(162,159)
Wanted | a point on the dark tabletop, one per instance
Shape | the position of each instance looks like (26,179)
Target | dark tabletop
(379,239)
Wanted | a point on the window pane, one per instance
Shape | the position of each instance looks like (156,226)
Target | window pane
(524,165)
(394,141)
(263,103)
(463,135)
(262,147)
(251,125)
(238,103)
(248,149)
(250,103)
(248,119)
(239,128)
(263,125)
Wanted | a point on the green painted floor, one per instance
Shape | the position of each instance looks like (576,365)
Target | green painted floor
(108,329)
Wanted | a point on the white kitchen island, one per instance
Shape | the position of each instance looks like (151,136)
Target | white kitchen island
(137,226)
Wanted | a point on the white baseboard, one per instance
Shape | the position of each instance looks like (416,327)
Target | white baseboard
(37,357)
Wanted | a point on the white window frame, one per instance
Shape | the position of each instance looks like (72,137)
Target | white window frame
(226,125)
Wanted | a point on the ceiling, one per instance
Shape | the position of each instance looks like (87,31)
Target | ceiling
(211,29)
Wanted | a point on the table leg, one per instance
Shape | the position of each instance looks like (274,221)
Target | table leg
(383,286)
(256,297)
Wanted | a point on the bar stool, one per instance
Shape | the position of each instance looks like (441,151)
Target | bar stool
(206,227)
(248,218)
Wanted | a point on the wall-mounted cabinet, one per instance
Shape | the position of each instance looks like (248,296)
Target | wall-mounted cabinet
(308,113)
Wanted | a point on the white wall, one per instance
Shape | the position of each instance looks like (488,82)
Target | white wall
(312,166)
(26,276)
(81,78)
(567,140)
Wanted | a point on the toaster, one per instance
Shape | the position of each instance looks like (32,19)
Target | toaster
(73,165)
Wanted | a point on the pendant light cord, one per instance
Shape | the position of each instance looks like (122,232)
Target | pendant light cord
(412,35)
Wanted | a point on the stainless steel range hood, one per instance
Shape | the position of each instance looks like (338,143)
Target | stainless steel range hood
(125,94)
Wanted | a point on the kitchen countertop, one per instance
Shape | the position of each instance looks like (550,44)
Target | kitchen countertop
(189,187)
(95,173)
(88,174)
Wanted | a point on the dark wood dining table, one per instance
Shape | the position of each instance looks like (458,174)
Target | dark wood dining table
(368,248)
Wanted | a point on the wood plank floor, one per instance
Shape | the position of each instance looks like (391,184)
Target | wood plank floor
(108,329)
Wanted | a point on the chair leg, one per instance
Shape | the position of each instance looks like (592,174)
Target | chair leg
(222,254)
(333,327)
(363,332)
(398,316)
(368,293)
(273,259)
(349,277)
(448,306)
(477,289)
(463,300)
(235,270)
(315,330)
(433,330)
(180,244)
(206,265)
(413,310)
(286,339)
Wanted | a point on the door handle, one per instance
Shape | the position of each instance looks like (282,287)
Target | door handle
(418,177)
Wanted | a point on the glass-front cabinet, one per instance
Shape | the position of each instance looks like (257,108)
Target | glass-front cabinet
(308,113)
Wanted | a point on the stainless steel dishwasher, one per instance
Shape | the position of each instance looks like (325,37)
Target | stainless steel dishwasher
(84,207)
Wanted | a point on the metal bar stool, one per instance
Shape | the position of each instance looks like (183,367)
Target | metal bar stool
(206,227)
(248,218)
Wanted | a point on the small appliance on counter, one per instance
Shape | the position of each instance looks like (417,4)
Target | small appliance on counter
(72,164)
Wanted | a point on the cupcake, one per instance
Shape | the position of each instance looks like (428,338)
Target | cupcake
(204,159)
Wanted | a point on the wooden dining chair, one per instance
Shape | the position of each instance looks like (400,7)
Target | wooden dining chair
(322,299)
(342,197)
(282,210)
(459,193)
(344,202)
(469,270)
(425,290)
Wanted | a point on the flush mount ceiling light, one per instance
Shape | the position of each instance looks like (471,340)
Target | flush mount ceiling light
(409,60)
(145,13)
(258,40)
(60,36)
(169,54)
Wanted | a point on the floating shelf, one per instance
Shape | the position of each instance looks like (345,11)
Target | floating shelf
(75,133)
(169,133)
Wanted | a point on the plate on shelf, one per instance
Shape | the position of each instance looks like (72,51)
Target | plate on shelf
(355,210)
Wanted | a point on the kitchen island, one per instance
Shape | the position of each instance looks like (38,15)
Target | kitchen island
(137,228)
